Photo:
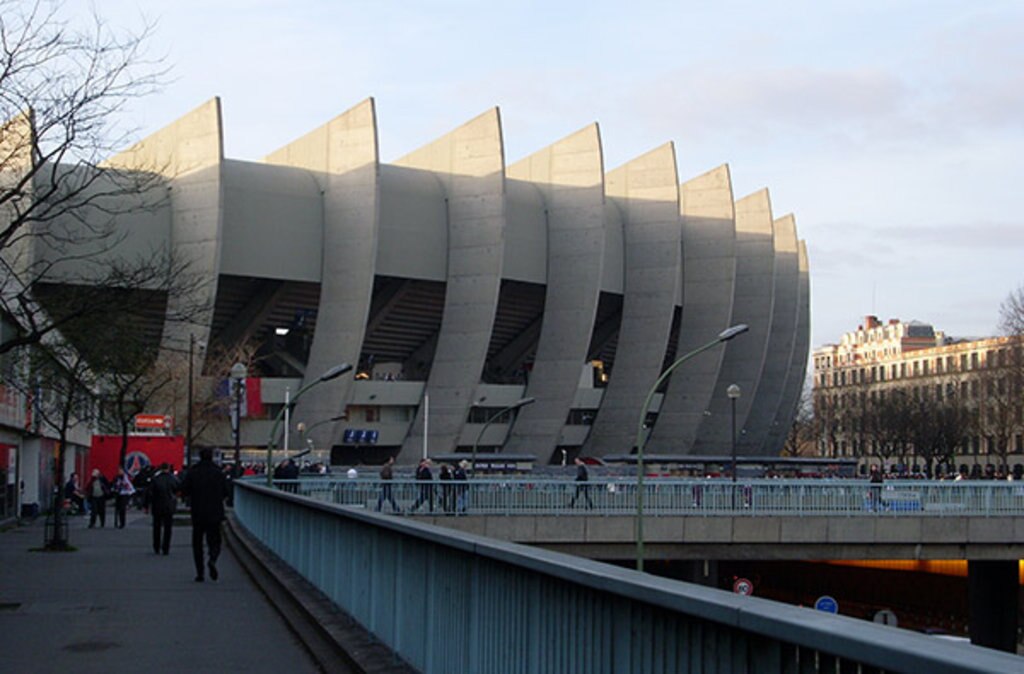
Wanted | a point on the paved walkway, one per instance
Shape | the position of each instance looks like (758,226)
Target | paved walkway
(114,606)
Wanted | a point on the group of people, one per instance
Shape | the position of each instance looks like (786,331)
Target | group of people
(204,485)
(92,499)
(454,497)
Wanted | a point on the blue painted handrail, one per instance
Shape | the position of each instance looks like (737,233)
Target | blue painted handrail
(446,601)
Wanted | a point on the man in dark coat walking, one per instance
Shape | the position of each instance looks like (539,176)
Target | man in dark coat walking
(207,488)
(160,500)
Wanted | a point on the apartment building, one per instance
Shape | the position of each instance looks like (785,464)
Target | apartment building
(890,369)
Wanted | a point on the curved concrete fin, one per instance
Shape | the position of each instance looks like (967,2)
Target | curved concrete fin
(570,175)
(752,305)
(189,153)
(647,192)
(709,275)
(779,350)
(344,157)
(470,163)
(797,377)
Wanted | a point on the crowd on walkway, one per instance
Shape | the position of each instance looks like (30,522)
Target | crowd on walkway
(158,491)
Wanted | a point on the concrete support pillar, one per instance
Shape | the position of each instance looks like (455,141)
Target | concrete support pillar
(993,592)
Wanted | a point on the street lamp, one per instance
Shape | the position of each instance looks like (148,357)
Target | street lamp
(734,393)
(514,406)
(192,343)
(641,439)
(333,373)
(238,374)
(304,430)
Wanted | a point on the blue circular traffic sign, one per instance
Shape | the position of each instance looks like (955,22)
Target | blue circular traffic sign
(827,604)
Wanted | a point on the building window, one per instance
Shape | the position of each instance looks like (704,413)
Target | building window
(903,369)
(924,368)
(963,362)
(938,366)
(974,361)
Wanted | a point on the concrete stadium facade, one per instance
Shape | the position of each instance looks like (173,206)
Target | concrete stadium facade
(457,284)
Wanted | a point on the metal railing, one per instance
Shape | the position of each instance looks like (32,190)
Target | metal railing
(666,497)
(447,601)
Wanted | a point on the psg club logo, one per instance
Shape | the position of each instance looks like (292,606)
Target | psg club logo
(134,462)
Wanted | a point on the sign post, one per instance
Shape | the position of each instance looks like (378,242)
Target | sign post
(743,587)
(827,604)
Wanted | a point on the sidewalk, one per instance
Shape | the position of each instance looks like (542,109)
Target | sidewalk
(114,606)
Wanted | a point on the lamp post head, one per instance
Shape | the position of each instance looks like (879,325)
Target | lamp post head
(733,391)
(239,371)
(729,333)
(335,372)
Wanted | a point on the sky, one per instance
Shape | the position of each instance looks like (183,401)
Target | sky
(892,129)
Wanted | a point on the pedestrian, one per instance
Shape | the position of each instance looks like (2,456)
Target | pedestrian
(207,487)
(73,493)
(582,477)
(288,471)
(160,500)
(386,476)
(875,490)
(426,479)
(459,475)
(123,490)
(447,489)
(97,491)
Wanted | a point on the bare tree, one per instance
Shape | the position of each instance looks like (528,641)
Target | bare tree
(58,382)
(1011,313)
(61,89)
(1002,416)
(802,434)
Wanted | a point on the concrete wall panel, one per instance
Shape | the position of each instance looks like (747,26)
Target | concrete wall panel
(343,155)
(570,175)
(797,370)
(752,305)
(413,225)
(190,153)
(647,191)
(779,350)
(470,163)
(281,207)
(709,274)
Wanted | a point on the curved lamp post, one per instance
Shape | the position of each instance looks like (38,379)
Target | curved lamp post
(304,431)
(641,439)
(238,374)
(333,373)
(514,406)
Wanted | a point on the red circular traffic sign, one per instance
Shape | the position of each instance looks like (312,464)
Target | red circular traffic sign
(743,586)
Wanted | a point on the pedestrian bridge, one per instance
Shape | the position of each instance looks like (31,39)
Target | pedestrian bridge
(717,519)
(446,600)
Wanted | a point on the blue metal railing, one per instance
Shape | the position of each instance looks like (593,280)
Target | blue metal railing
(450,602)
(710,497)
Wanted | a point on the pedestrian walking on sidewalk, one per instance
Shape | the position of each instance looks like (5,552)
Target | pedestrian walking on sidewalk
(161,500)
(207,488)
(98,490)
(426,487)
(123,490)
(582,488)
(387,474)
